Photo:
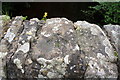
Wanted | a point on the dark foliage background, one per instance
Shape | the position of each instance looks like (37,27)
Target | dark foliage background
(93,12)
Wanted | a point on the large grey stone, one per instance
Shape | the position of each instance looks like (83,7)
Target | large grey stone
(98,51)
(55,49)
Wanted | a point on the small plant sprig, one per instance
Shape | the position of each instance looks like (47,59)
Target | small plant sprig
(115,53)
(6,18)
(44,17)
(24,18)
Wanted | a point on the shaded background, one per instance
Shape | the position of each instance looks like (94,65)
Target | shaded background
(71,10)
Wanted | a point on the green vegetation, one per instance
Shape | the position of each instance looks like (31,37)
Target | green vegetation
(110,11)
(6,18)
(6,9)
(100,12)
(24,18)
(44,17)
(115,53)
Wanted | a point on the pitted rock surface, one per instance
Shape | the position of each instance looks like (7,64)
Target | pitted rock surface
(98,50)
(4,21)
(113,31)
(56,48)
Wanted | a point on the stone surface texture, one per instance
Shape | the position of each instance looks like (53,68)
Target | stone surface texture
(56,48)
(113,32)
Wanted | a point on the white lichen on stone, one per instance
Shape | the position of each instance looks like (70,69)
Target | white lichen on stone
(71,30)
(29,61)
(72,67)
(56,66)
(66,59)
(18,63)
(41,76)
(50,22)
(92,58)
(42,33)
(90,64)
(93,63)
(56,28)
(47,35)
(18,17)
(57,20)
(32,22)
(22,70)
(72,38)
(33,29)
(14,22)
(9,35)
(114,32)
(49,66)
(107,50)
(52,75)
(66,22)
(43,61)
(100,56)
(76,47)
(23,41)
(3,54)
(25,47)
(106,42)
(61,69)
(29,37)
(82,24)
(110,54)
(94,31)
(35,19)
(101,72)
(100,30)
